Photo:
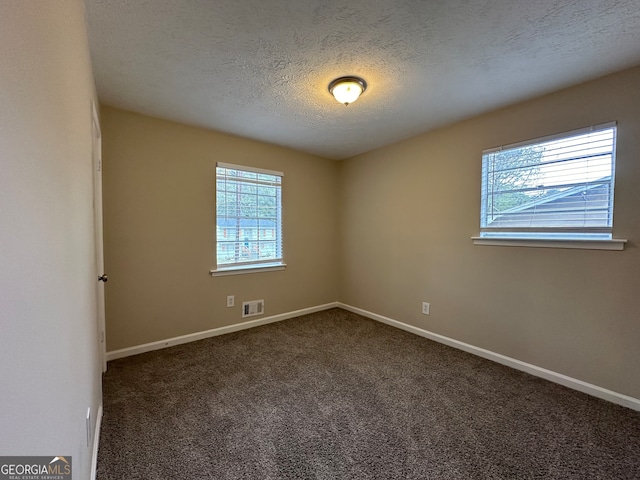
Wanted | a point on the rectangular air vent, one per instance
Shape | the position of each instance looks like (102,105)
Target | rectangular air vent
(252,308)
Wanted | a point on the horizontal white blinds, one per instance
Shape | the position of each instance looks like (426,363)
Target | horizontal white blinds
(559,183)
(248,216)
(230,166)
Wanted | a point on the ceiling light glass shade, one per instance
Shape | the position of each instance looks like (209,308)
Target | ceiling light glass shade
(346,90)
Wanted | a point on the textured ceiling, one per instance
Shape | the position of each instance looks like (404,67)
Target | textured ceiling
(260,68)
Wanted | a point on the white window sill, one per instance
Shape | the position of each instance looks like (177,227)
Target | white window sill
(270,267)
(613,244)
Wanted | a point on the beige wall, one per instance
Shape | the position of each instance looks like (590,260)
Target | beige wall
(383,232)
(50,371)
(408,212)
(159,193)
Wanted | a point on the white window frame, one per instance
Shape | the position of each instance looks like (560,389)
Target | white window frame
(251,265)
(599,237)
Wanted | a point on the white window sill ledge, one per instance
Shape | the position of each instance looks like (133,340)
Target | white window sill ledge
(221,272)
(614,244)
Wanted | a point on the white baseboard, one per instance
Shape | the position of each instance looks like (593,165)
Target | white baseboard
(575,384)
(192,337)
(96,443)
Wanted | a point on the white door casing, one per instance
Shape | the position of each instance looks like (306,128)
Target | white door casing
(97,206)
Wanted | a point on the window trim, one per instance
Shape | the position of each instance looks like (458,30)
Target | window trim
(250,267)
(584,244)
(222,272)
(597,238)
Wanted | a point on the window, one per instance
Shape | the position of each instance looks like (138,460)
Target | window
(554,188)
(248,205)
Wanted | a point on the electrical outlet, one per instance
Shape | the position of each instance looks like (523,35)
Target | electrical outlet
(425,308)
(88,424)
(231,300)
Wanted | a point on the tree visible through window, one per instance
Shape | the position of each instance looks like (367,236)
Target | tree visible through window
(557,187)
(248,216)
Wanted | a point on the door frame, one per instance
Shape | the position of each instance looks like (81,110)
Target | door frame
(96,155)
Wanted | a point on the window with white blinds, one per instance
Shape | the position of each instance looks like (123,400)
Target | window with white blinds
(248,217)
(554,187)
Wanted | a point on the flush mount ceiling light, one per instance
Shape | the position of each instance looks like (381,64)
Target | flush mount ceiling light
(346,90)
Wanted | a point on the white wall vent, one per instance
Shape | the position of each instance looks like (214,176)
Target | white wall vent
(252,308)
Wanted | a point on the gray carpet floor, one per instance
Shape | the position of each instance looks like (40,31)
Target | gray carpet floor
(333,395)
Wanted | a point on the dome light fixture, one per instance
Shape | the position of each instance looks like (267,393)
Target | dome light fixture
(346,90)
